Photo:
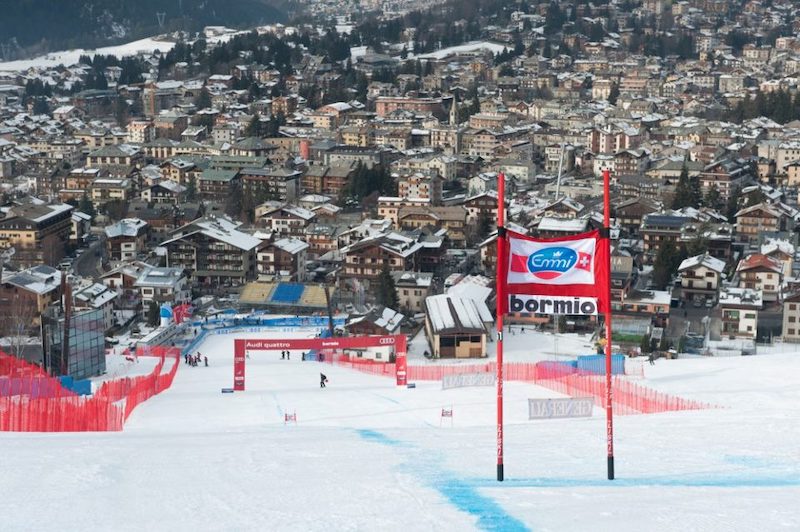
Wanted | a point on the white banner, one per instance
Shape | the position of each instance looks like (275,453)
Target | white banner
(467,379)
(556,263)
(565,305)
(560,408)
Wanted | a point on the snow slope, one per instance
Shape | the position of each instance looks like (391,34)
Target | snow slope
(71,57)
(365,455)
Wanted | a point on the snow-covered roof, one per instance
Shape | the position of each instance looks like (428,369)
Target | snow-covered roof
(219,228)
(38,279)
(452,314)
(419,279)
(299,212)
(95,295)
(562,225)
(291,245)
(471,291)
(382,317)
(160,277)
(126,227)
(740,297)
(705,260)
(776,244)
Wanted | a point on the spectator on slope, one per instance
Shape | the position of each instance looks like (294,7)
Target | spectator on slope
(323,380)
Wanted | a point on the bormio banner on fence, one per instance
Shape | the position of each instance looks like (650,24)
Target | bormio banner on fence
(567,275)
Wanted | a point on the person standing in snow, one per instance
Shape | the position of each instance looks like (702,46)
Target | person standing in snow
(652,359)
(283,355)
(322,380)
(205,359)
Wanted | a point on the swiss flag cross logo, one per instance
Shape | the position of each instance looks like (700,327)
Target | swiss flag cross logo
(584,262)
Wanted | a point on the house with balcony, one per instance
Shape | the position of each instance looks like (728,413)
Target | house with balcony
(214,251)
(126,239)
(453,219)
(701,277)
(364,260)
(105,190)
(163,285)
(782,251)
(287,220)
(739,308)
(659,229)
(284,258)
(762,273)
(28,293)
(412,289)
(764,218)
(37,232)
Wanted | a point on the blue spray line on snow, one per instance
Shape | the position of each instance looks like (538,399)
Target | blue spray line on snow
(461,493)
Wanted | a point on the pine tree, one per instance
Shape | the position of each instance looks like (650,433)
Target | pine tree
(666,263)
(253,128)
(86,206)
(713,198)
(645,344)
(732,205)
(387,291)
(695,191)
(683,191)
(203,100)
(613,94)
(153,317)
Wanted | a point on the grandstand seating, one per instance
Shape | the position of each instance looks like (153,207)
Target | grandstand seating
(287,293)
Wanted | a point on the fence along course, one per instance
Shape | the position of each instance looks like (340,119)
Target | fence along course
(54,408)
(628,397)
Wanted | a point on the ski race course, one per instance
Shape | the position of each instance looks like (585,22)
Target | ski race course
(367,455)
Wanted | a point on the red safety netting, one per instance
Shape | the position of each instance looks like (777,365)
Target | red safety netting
(64,411)
(628,397)
(131,391)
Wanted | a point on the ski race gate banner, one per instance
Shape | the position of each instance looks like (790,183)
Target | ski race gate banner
(569,275)
(241,347)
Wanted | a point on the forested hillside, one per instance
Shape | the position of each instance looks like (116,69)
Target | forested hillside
(42,25)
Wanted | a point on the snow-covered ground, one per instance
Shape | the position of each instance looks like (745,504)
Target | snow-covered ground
(71,57)
(473,46)
(365,455)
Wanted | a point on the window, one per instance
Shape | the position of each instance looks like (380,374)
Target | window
(792,306)
(791,332)
(792,319)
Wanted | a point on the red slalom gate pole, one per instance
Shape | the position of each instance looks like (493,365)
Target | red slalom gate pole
(607,240)
(501,295)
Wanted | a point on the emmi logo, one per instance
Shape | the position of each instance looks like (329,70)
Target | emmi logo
(575,306)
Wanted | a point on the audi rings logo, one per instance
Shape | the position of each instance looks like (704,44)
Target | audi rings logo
(386,341)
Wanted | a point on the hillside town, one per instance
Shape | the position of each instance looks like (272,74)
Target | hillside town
(347,163)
